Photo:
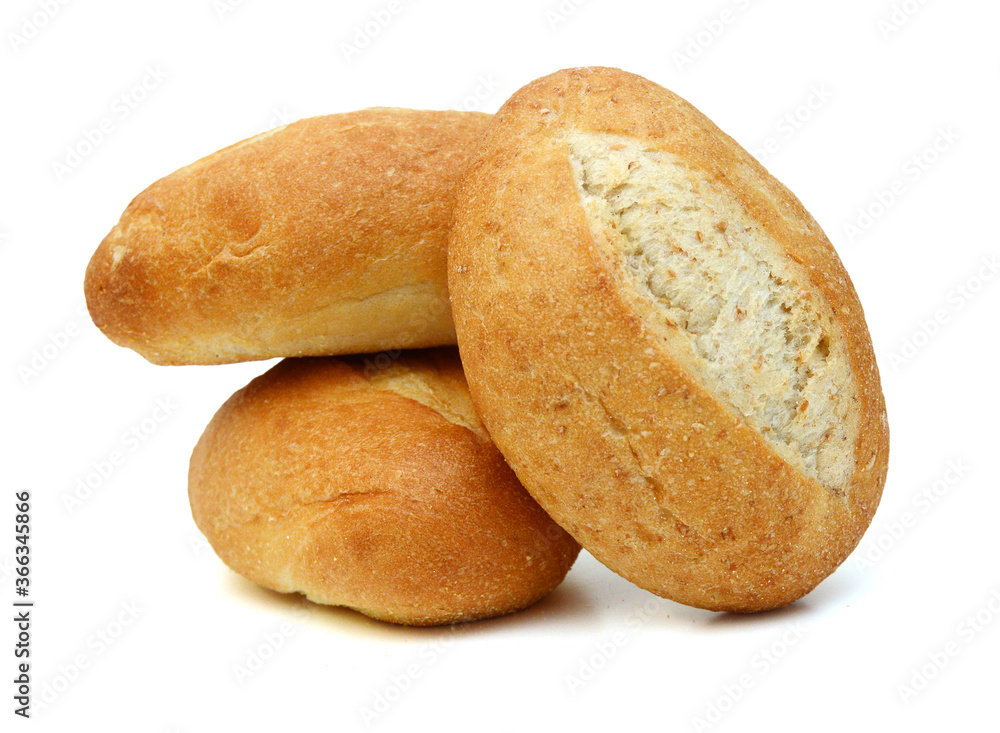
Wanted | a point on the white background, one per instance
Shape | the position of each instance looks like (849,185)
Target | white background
(833,661)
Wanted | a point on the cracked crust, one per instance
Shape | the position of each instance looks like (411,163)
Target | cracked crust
(721,292)
(611,387)
(375,487)
(325,236)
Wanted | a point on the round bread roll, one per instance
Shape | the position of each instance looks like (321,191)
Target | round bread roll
(664,344)
(326,236)
(371,483)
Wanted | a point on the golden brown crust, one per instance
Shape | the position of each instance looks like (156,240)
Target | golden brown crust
(602,422)
(319,478)
(326,236)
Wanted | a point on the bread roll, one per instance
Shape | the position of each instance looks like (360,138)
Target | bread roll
(373,486)
(664,344)
(325,236)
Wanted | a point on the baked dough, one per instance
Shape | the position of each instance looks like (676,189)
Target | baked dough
(664,344)
(326,236)
(373,485)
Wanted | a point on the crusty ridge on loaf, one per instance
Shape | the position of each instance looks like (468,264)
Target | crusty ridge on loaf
(440,389)
(754,335)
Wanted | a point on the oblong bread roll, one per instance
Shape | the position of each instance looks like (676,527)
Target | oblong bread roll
(374,486)
(326,236)
(664,344)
